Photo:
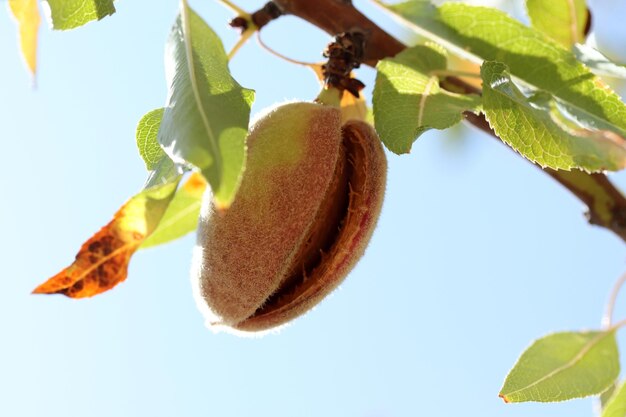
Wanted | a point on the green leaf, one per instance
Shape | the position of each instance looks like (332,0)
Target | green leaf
(147,142)
(70,14)
(182,213)
(562,366)
(162,168)
(562,20)
(408,100)
(598,63)
(206,119)
(616,406)
(164,172)
(178,219)
(486,34)
(539,131)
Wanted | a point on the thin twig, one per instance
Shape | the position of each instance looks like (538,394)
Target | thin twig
(245,35)
(279,55)
(617,325)
(610,305)
(232,6)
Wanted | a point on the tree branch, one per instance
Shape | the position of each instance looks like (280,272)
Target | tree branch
(606,204)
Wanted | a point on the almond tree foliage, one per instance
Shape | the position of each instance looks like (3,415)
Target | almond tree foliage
(539,88)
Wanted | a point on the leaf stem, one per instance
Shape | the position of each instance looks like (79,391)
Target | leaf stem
(617,325)
(232,6)
(245,35)
(610,306)
(279,55)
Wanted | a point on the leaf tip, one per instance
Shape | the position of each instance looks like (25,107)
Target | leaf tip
(37,291)
(55,284)
(40,290)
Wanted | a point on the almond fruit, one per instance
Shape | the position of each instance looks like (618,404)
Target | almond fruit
(303,216)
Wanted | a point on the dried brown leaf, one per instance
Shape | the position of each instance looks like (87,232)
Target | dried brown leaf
(102,261)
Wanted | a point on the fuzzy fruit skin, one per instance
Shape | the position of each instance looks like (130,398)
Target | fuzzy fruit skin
(309,182)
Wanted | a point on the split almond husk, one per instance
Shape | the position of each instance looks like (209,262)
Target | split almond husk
(307,206)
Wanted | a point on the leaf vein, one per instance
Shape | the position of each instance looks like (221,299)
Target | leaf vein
(586,348)
(194,84)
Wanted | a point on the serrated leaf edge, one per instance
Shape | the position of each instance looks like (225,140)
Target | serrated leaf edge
(472,57)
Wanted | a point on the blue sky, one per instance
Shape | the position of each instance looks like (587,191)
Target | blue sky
(476,254)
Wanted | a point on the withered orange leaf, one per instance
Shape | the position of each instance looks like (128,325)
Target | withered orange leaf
(102,261)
